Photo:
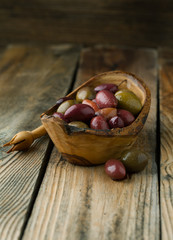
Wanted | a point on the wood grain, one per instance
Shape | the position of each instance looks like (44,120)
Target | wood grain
(83,203)
(31,80)
(121,22)
(166,133)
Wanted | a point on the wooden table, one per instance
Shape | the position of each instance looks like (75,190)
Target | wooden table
(44,197)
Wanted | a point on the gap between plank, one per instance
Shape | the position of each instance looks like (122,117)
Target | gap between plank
(37,186)
(71,87)
(44,165)
(158,158)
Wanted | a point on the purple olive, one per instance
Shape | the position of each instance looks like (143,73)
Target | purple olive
(115,169)
(107,86)
(99,122)
(61,100)
(116,122)
(106,99)
(59,115)
(126,116)
(79,112)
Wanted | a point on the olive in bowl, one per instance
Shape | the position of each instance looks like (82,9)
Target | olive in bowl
(85,146)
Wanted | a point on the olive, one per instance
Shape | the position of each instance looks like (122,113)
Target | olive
(129,101)
(134,160)
(116,122)
(79,112)
(115,169)
(78,124)
(126,116)
(59,115)
(65,105)
(106,99)
(61,100)
(84,93)
(107,113)
(107,86)
(99,122)
(91,104)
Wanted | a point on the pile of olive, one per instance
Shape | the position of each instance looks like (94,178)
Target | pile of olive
(104,107)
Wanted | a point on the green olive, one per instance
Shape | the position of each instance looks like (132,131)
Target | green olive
(134,160)
(84,93)
(65,105)
(129,101)
(78,124)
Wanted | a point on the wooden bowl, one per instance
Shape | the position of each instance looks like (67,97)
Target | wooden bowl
(91,147)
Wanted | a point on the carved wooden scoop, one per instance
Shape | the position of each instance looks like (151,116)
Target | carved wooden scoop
(86,146)
(23,140)
(89,146)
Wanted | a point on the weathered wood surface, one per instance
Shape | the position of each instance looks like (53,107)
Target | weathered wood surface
(83,203)
(31,79)
(121,22)
(166,134)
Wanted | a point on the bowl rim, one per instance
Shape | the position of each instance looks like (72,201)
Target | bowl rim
(133,129)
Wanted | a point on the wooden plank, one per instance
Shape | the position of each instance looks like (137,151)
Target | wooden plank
(31,79)
(82,202)
(166,136)
(121,22)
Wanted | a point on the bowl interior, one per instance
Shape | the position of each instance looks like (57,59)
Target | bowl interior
(124,80)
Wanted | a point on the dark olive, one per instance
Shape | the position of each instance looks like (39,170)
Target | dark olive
(134,160)
(79,112)
(84,93)
(106,99)
(107,86)
(116,122)
(59,115)
(126,116)
(129,101)
(115,169)
(99,122)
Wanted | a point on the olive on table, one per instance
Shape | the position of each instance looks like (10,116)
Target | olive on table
(116,122)
(129,101)
(78,124)
(84,93)
(65,105)
(134,160)
(107,86)
(106,99)
(79,112)
(126,116)
(99,122)
(115,169)
(107,113)
(91,104)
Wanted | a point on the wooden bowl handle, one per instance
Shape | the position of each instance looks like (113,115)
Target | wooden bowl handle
(38,132)
(23,140)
